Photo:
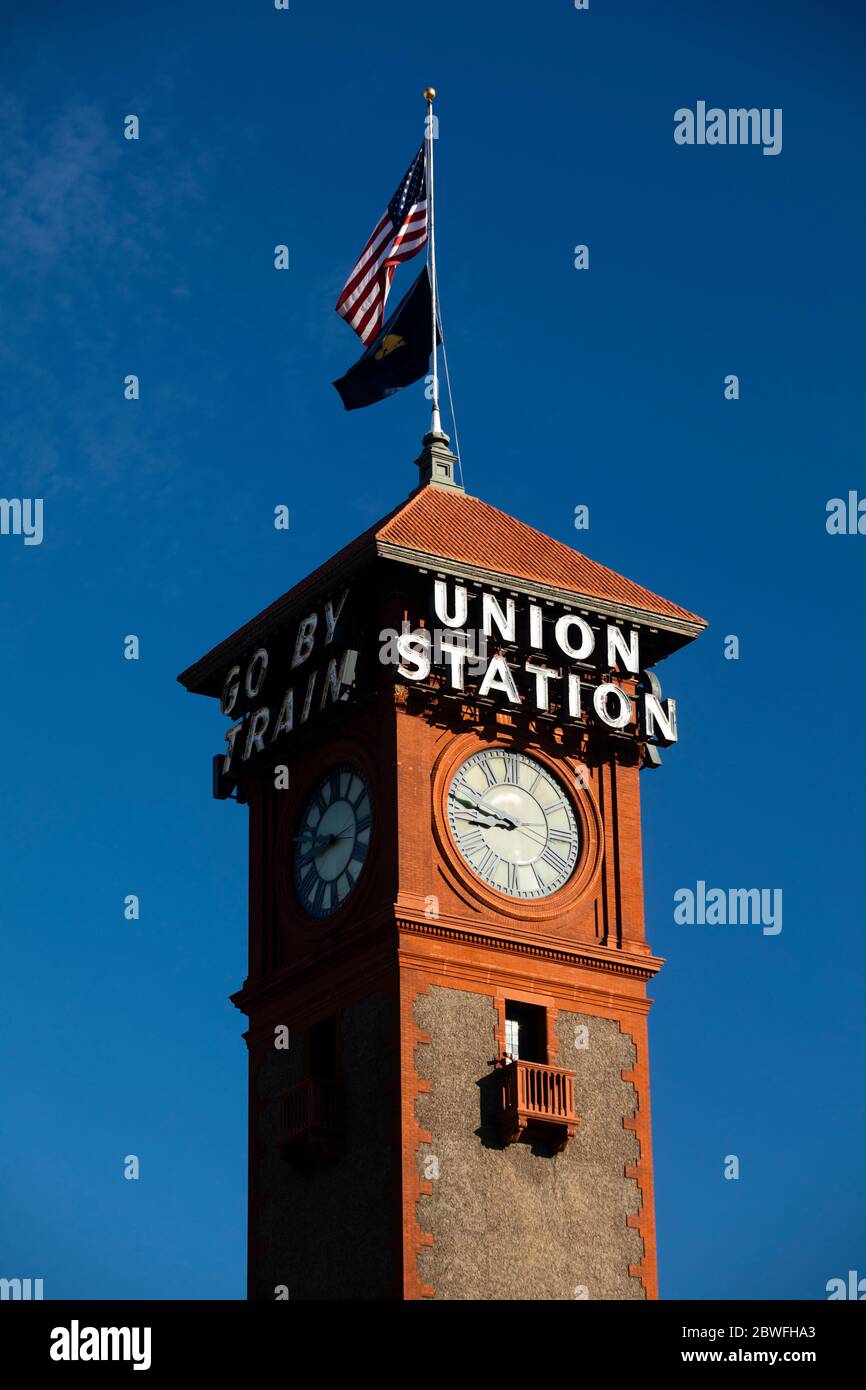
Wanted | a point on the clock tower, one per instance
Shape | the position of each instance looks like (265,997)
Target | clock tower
(439,736)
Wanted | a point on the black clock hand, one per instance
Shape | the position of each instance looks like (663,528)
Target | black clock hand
(508,823)
(473,802)
(477,800)
(489,818)
(316,847)
(479,804)
(328,841)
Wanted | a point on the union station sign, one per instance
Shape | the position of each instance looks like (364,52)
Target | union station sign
(538,659)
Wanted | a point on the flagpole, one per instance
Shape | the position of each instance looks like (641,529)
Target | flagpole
(435,422)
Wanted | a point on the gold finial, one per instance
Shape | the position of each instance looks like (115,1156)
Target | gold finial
(429,93)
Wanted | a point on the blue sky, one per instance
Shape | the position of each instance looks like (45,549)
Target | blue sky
(602,387)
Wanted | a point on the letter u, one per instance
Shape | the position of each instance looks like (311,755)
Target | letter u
(440,604)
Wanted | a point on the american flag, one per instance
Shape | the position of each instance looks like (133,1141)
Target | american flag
(400,232)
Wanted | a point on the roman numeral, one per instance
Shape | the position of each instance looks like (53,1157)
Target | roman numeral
(471,841)
(563,836)
(489,775)
(512,879)
(363,824)
(489,864)
(554,860)
(512,769)
(308,883)
(319,895)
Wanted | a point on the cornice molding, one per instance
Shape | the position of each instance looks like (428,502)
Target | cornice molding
(420,559)
(610,962)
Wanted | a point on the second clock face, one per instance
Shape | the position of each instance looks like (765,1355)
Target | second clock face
(513,823)
(332,841)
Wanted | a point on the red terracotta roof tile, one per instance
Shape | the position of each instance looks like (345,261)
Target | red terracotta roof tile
(469,531)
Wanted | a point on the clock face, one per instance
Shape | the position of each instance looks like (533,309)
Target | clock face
(330,848)
(513,823)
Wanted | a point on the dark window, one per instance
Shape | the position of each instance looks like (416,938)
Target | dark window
(526,1031)
(323,1050)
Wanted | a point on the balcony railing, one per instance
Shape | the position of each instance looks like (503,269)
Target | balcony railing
(538,1100)
(309,1119)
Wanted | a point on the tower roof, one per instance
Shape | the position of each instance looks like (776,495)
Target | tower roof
(445,524)
(450,525)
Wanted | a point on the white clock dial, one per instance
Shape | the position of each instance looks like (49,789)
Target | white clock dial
(513,823)
(333,838)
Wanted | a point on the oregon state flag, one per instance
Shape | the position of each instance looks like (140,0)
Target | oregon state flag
(398,356)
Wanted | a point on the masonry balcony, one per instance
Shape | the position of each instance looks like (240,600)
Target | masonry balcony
(538,1101)
(309,1120)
